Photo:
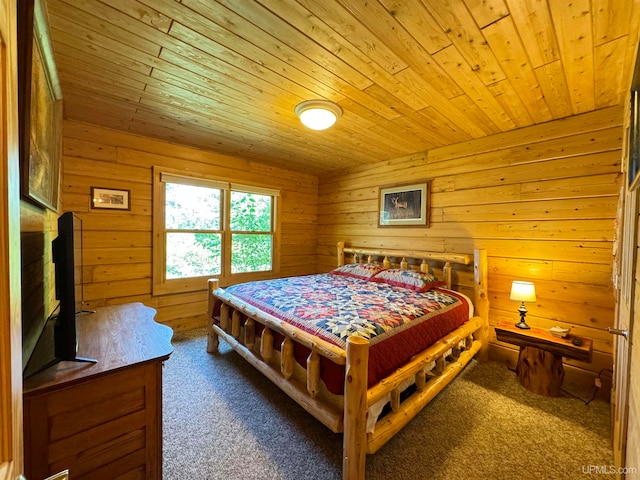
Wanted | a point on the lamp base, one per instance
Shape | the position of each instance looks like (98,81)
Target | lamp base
(523,313)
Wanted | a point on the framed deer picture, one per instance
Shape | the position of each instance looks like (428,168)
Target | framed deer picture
(404,205)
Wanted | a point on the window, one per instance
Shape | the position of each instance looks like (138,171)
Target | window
(251,228)
(207,228)
(193,230)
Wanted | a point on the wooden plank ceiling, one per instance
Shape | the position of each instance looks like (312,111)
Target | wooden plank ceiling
(410,75)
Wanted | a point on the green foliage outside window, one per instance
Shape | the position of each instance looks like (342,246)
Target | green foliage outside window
(250,212)
(194,238)
(251,252)
(193,255)
(188,207)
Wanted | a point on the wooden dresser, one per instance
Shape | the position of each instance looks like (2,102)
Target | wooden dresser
(101,420)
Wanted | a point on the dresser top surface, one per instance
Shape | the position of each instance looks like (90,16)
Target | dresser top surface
(116,337)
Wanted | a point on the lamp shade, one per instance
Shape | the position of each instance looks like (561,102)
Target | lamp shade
(318,114)
(523,291)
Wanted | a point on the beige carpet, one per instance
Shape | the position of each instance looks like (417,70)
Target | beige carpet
(222,420)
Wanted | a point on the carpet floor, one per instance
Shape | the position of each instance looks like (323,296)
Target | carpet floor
(223,420)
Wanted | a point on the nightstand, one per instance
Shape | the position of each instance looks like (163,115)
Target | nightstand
(539,366)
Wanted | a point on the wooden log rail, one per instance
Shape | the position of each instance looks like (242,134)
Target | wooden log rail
(462,259)
(420,361)
(426,389)
(370,255)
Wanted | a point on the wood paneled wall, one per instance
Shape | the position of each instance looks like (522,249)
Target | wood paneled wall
(542,200)
(117,244)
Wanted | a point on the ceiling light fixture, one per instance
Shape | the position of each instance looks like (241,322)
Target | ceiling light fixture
(318,114)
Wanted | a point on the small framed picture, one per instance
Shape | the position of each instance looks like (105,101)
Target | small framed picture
(110,199)
(404,205)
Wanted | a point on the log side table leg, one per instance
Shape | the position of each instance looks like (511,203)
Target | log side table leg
(540,371)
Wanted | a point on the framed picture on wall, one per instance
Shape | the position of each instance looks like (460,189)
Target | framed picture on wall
(404,205)
(40,109)
(110,199)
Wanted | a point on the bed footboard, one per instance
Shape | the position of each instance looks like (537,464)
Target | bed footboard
(449,355)
(236,324)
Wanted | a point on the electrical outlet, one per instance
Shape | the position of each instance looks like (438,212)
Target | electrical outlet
(598,382)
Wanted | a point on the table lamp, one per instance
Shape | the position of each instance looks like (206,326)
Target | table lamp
(523,292)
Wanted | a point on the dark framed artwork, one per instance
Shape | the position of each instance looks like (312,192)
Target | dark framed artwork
(404,205)
(40,109)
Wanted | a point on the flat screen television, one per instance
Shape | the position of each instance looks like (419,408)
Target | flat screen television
(67,258)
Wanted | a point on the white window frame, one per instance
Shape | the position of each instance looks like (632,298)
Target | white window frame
(162,285)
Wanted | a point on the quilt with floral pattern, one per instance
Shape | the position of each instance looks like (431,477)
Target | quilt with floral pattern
(398,322)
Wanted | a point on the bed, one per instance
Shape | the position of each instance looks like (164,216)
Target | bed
(359,348)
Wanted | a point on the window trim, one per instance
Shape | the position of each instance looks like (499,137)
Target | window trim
(163,286)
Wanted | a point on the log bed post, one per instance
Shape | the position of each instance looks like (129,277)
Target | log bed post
(354,446)
(313,374)
(236,319)
(286,358)
(266,344)
(340,254)
(481,300)
(249,332)
(212,336)
(424,266)
(446,274)
(225,311)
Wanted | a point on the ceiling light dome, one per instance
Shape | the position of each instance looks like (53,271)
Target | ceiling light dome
(318,114)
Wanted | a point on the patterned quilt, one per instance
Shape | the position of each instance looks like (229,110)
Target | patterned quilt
(398,322)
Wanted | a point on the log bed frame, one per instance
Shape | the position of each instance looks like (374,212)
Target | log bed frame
(236,324)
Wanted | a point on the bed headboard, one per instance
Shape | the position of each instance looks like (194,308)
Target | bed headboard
(478,259)
(385,256)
